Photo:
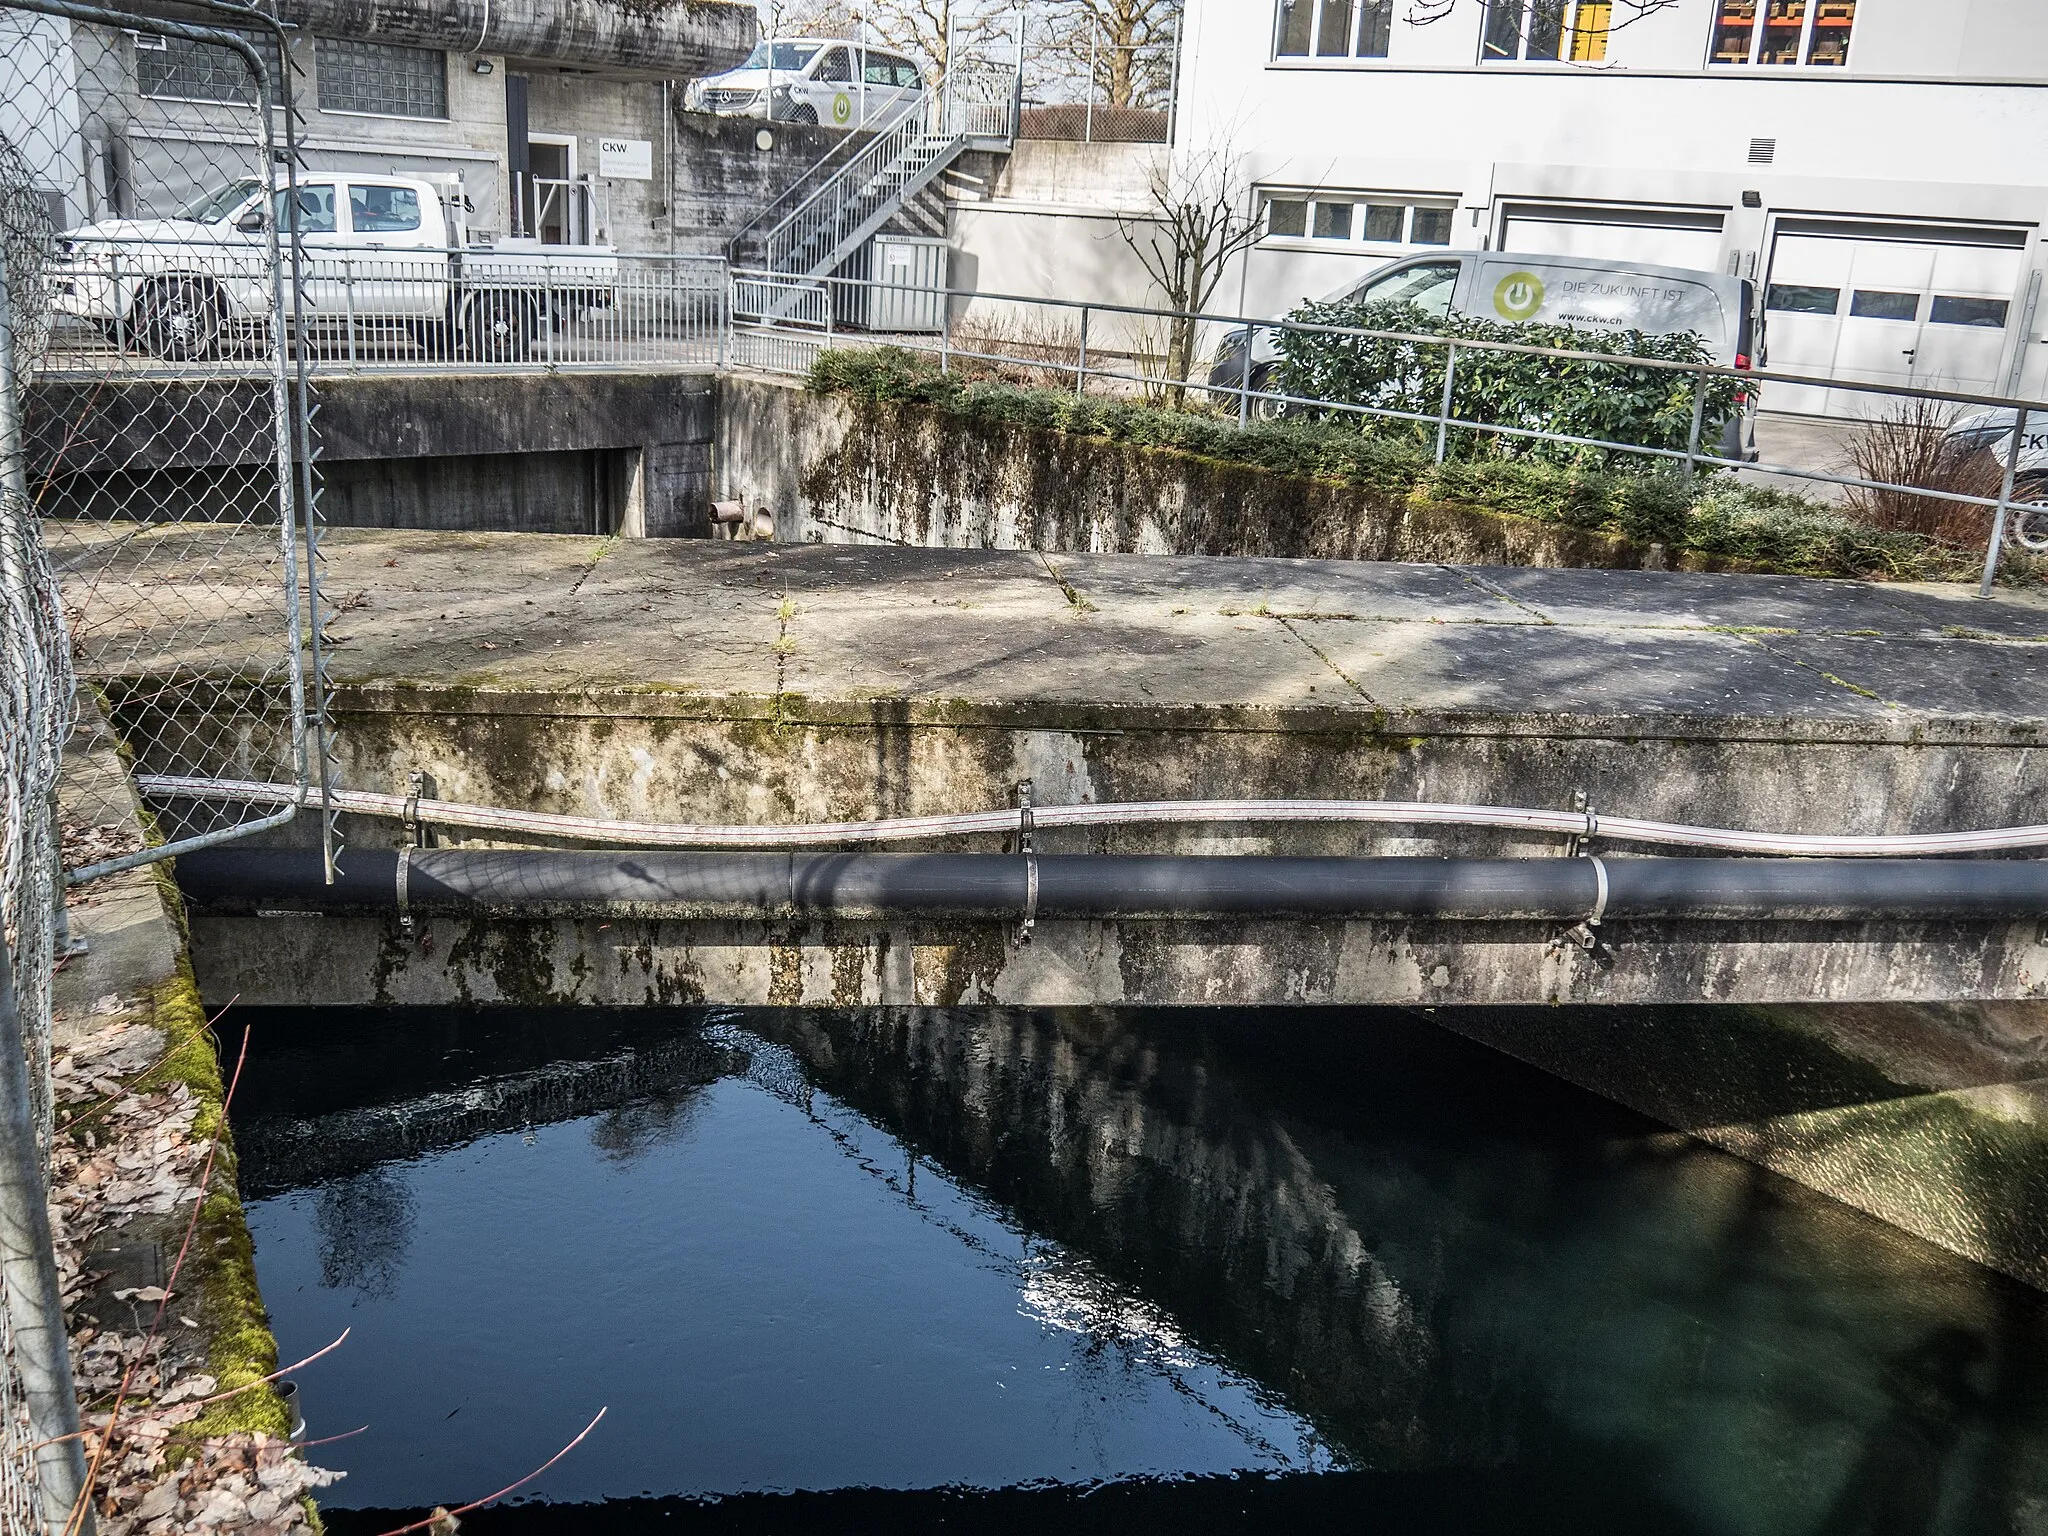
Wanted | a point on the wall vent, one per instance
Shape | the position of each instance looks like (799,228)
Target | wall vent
(1762,151)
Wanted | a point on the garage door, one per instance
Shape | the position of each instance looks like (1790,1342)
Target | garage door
(1930,309)
(1659,237)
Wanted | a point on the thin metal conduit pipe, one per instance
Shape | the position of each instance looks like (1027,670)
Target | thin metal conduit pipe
(643,834)
(567,881)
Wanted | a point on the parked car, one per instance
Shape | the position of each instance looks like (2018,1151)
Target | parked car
(812,80)
(389,252)
(1558,290)
(1991,430)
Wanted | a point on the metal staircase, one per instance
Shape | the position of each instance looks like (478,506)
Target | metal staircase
(852,194)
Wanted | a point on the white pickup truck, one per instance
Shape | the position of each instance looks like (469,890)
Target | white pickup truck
(384,255)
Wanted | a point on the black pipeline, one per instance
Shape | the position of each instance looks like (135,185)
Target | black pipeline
(1114,885)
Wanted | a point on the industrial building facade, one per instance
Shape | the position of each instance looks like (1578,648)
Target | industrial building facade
(1872,164)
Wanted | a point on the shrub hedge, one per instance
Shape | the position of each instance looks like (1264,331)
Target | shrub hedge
(1713,515)
(1614,402)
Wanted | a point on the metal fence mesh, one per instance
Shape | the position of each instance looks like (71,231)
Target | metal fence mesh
(155,500)
(159,434)
(36,690)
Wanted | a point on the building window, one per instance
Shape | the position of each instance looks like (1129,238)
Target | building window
(1286,218)
(1430,226)
(1356,219)
(1950,310)
(1796,299)
(1875,304)
(1333,29)
(1542,30)
(178,69)
(1812,32)
(381,78)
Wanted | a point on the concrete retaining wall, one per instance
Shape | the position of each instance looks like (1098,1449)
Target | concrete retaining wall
(515,452)
(834,469)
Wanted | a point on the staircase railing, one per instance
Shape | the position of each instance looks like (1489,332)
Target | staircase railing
(862,179)
(829,165)
(875,176)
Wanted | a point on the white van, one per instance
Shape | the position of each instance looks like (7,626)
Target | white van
(812,80)
(1585,294)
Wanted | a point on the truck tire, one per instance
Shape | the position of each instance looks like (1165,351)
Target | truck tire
(181,318)
(500,325)
(806,114)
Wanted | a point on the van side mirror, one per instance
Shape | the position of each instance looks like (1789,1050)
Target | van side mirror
(252,222)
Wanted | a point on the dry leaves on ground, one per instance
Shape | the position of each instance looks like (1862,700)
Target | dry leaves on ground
(126,1149)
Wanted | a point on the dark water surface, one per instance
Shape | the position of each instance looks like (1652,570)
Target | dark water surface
(977,1271)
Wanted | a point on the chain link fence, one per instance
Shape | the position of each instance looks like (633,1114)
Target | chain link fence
(35,718)
(157,545)
(169,478)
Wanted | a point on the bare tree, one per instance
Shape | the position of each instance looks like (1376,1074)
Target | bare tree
(1199,217)
(805,18)
(933,29)
(1122,49)
(1545,15)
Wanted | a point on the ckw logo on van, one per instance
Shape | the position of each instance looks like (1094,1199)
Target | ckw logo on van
(1518,295)
(842,108)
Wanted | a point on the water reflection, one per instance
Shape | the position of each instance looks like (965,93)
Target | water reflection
(1263,1242)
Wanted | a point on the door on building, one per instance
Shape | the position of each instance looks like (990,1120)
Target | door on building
(1887,304)
(551,207)
(1660,237)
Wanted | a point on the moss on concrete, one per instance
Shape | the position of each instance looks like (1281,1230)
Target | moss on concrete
(240,1348)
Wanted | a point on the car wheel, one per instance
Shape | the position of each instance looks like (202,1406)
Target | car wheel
(1265,383)
(806,114)
(180,318)
(2030,512)
(500,326)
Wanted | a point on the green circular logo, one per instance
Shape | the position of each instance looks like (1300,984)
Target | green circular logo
(842,108)
(1518,295)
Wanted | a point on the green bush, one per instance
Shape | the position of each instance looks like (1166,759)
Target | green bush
(1717,516)
(1613,402)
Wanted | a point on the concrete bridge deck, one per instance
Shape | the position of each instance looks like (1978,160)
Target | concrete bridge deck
(1418,646)
(721,682)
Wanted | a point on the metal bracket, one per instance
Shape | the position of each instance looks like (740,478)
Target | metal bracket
(404,896)
(415,786)
(1587,934)
(1575,844)
(1026,845)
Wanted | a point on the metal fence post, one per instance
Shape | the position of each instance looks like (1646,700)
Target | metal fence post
(1081,363)
(348,289)
(1994,550)
(1443,417)
(15,529)
(1699,408)
(1244,379)
(28,1268)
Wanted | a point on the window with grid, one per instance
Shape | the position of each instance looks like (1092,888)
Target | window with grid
(1333,29)
(177,69)
(381,78)
(1356,218)
(1809,32)
(1542,30)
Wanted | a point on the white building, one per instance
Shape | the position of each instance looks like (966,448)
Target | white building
(1877,166)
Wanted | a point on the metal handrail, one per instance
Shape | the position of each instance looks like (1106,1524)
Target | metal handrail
(815,176)
(859,185)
